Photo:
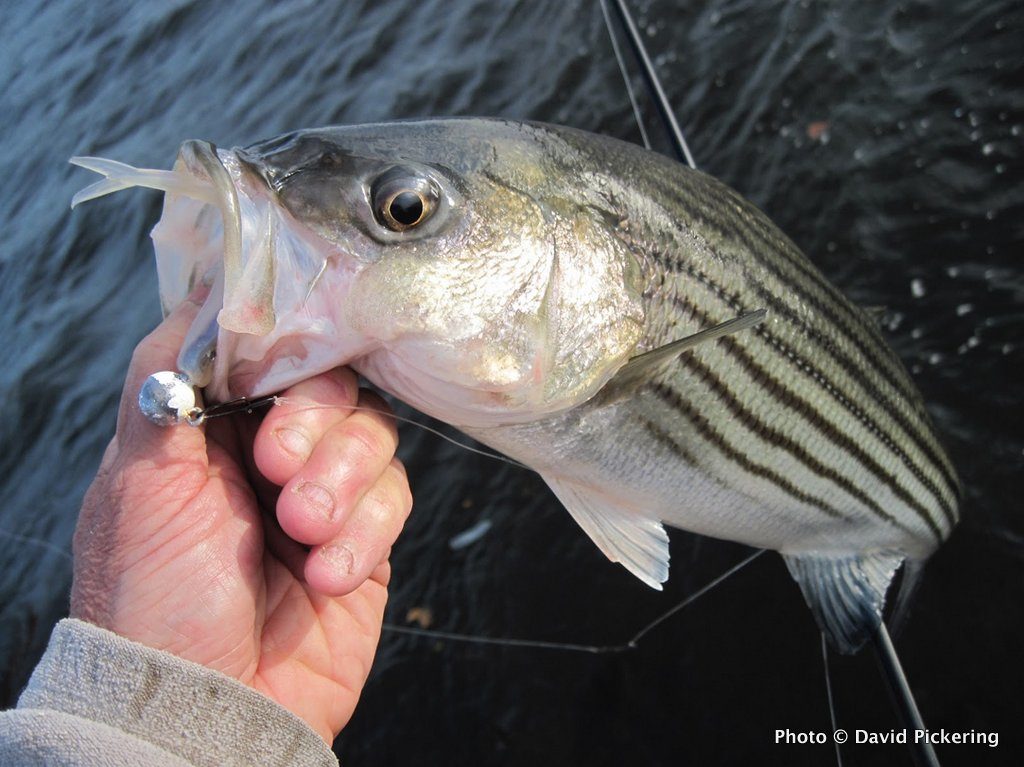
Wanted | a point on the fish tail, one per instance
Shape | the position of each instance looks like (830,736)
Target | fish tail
(846,593)
(910,579)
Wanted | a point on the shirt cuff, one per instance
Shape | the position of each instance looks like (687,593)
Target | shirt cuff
(196,713)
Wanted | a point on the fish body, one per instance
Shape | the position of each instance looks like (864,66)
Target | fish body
(508,278)
(795,435)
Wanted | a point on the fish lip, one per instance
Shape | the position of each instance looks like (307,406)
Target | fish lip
(254,378)
(202,160)
(199,155)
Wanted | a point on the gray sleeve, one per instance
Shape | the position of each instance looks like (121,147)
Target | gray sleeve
(99,699)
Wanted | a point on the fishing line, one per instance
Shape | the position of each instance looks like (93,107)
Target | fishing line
(249,406)
(486,453)
(503,642)
(41,543)
(661,101)
(695,596)
(831,700)
(625,75)
(892,671)
(630,644)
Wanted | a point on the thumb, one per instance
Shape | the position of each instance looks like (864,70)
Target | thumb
(157,351)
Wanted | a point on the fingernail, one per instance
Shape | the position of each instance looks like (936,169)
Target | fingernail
(317,496)
(294,442)
(339,557)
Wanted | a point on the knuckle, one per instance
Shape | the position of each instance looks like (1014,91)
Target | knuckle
(378,409)
(367,440)
(378,508)
(398,468)
(154,345)
(398,485)
(386,504)
(336,387)
(139,365)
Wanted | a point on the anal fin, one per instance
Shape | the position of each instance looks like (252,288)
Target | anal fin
(625,534)
(846,592)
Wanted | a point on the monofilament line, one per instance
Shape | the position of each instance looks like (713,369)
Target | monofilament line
(831,699)
(39,542)
(630,644)
(625,75)
(411,422)
(693,598)
(661,101)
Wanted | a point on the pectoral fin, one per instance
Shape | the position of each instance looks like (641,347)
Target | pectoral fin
(643,367)
(625,535)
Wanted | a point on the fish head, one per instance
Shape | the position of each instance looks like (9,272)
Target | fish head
(453,263)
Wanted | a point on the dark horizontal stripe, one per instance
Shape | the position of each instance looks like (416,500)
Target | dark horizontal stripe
(919,433)
(774,304)
(666,440)
(701,423)
(874,350)
(744,228)
(776,438)
(757,235)
(812,415)
(863,334)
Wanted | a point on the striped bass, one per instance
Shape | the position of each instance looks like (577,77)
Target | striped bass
(536,287)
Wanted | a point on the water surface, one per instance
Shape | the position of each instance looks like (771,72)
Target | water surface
(885,138)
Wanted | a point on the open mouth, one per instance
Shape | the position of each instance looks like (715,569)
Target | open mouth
(272,315)
(200,234)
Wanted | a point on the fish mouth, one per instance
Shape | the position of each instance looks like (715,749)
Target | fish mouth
(273,313)
(233,253)
(198,238)
(201,162)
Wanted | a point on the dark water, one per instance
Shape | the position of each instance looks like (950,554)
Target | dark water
(885,138)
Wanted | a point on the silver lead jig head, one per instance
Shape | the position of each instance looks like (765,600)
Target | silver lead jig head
(168,398)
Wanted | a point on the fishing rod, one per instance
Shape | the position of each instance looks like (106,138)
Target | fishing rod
(922,752)
(661,102)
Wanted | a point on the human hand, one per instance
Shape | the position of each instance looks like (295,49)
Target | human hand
(178,547)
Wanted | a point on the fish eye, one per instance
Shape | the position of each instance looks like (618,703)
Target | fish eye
(403,199)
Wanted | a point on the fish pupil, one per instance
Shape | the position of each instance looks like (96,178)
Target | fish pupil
(406,208)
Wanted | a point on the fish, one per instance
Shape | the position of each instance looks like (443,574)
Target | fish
(630,328)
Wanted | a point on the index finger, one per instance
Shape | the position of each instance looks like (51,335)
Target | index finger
(305,412)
